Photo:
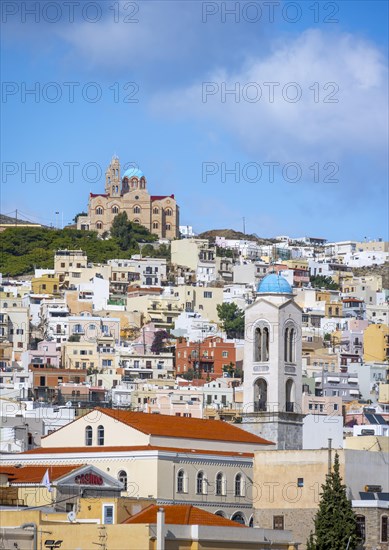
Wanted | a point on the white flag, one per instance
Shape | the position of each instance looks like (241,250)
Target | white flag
(46,481)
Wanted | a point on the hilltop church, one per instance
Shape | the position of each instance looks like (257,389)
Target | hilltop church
(128,193)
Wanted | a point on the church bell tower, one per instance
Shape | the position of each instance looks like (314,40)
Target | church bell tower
(272,387)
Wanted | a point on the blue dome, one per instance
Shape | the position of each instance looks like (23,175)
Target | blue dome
(131,172)
(275,284)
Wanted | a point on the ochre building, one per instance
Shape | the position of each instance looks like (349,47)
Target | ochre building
(128,193)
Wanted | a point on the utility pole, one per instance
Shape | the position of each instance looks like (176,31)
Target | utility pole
(329,455)
(244,225)
(16,217)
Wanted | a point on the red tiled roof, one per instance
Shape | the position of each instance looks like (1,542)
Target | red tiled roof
(183,427)
(160,197)
(34,474)
(181,514)
(118,449)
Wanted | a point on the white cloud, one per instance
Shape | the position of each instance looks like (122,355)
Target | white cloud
(303,130)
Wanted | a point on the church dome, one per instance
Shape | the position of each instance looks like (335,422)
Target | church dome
(131,172)
(274,284)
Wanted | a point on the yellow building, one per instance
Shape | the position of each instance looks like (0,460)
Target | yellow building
(46,284)
(376,343)
(128,193)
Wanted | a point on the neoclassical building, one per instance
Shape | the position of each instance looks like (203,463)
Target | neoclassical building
(128,193)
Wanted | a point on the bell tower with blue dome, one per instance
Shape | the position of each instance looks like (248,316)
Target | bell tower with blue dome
(272,386)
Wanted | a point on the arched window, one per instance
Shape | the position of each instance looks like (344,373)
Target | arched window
(122,477)
(286,340)
(201,484)
(220,485)
(136,209)
(261,344)
(181,482)
(134,183)
(136,220)
(289,396)
(239,485)
(260,395)
(155,210)
(238,517)
(168,227)
(168,212)
(361,528)
(292,337)
(99,225)
(99,211)
(220,513)
(384,529)
(115,210)
(155,225)
(265,345)
(100,435)
(88,436)
(251,522)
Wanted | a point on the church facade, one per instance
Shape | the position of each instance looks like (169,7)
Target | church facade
(128,193)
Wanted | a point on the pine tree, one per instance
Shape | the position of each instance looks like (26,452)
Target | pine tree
(335,521)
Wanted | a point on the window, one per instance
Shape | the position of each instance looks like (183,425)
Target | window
(278,522)
(99,211)
(384,529)
(107,514)
(361,528)
(181,482)
(168,227)
(238,485)
(137,209)
(155,225)
(168,212)
(200,484)
(155,210)
(300,481)
(225,354)
(115,210)
(207,294)
(122,477)
(88,436)
(100,435)
(220,484)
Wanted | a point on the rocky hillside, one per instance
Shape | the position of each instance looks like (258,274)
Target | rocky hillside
(232,234)
(382,270)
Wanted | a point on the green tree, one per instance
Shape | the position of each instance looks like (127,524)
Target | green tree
(188,375)
(232,318)
(335,521)
(322,281)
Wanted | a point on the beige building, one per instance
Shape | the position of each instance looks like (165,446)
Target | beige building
(288,486)
(128,193)
(174,460)
(196,254)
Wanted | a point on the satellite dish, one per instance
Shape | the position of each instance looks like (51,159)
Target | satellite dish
(72,516)
(68,404)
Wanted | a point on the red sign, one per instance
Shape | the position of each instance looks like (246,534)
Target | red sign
(89,479)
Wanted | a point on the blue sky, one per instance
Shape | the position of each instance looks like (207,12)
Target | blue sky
(309,160)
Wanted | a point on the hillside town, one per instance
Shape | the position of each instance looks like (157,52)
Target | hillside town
(197,398)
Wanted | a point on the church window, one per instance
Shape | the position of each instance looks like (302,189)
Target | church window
(168,227)
(168,212)
(137,209)
(155,210)
(99,211)
(115,210)
(99,225)
(155,225)
(136,220)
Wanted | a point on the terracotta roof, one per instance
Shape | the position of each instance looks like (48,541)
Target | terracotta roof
(34,474)
(183,427)
(181,514)
(160,197)
(121,449)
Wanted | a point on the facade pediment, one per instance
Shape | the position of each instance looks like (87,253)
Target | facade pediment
(90,477)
